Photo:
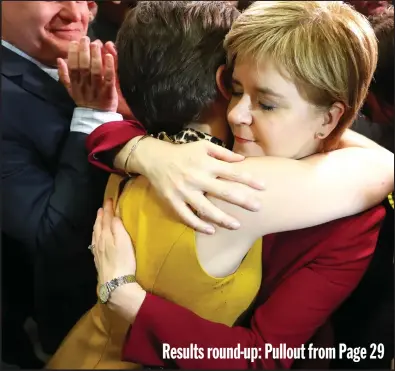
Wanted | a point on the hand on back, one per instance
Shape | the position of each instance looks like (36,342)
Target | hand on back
(185,174)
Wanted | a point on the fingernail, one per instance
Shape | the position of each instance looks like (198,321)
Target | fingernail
(261,185)
(234,225)
(255,206)
(210,230)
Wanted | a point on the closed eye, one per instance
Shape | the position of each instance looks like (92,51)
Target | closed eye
(235,93)
(266,107)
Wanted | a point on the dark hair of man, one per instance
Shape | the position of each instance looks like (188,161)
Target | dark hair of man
(382,85)
(168,55)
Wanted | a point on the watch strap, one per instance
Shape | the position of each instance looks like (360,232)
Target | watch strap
(119,281)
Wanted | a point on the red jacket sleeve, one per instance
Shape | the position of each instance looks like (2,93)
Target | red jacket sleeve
(292,314)
(108,137)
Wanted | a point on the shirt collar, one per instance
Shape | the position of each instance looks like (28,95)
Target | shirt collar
(53,72)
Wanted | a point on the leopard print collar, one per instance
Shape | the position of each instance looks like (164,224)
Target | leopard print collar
(188,136)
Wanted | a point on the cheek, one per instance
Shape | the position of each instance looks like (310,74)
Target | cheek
(86,15)
(267,127)
(231,110)
(280,131)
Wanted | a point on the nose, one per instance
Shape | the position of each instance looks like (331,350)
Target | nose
(70,11)
(240,113)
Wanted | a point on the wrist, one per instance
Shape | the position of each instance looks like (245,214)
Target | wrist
(123,154)
(127,300)
(134,157)
(142,156)
(95,107)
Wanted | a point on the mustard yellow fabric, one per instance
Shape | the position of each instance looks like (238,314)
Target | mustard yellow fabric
(391,200)
(167,265)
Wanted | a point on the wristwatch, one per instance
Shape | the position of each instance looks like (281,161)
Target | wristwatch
(107,288)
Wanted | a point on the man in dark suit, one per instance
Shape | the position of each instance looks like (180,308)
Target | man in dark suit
(50,193)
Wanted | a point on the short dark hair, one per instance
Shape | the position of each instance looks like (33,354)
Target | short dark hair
(168,55)
(382,85)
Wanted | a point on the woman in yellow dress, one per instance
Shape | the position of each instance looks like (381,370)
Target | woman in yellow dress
(218,276)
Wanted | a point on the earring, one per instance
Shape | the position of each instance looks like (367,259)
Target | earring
(318,135)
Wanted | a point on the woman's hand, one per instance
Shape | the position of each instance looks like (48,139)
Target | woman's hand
(114,257)
(183,174)
(113,250)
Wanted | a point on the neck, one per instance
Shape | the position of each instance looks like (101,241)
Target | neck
(216,128)
(213,121)
(310,149)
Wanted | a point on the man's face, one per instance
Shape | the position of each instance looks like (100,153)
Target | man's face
(44,29)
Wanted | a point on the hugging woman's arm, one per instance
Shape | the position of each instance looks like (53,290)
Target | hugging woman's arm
(291,127)
(290,308)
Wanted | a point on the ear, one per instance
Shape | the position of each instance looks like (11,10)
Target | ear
(220,80)
(92,6)
(331,119)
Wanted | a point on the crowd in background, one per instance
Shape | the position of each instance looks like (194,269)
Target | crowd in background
(50,193)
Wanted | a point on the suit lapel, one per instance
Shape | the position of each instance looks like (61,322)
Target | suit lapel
(34,80)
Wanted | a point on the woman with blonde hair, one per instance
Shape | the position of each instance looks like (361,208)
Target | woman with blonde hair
(282,108)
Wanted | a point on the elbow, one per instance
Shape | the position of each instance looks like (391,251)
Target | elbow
(382,183)
(388,176)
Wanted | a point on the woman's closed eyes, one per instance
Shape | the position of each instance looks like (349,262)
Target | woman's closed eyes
(265,107)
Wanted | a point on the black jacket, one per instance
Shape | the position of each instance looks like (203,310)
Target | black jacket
(50,195)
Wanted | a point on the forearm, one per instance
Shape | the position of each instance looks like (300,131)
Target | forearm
(137,156)
(316,190)
(126,160)
(346,181)
(106,141)
(178,327)
(133,304)
(127,300)
(291,312)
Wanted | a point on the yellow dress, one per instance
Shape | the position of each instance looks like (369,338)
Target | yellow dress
(167,265)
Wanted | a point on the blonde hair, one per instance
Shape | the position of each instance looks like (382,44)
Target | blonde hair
(327,48)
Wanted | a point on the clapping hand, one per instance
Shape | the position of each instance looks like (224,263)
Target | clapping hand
(89,75)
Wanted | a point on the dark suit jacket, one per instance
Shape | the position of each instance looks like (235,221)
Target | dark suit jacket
(50,195)
(307,274)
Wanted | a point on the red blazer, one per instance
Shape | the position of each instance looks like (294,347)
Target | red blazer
(306,275)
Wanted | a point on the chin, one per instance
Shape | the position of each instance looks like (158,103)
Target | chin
(247,152)
(61,47)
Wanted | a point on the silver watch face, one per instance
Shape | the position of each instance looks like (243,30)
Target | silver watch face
(103,293)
